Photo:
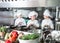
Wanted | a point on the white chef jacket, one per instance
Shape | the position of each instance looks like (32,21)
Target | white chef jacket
(20,22)
(47,22)
(34,22)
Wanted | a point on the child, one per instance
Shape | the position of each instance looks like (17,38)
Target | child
(33,15)
(20,21)
(47,21)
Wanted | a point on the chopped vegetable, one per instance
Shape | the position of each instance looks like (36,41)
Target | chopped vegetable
(3,29)
(8,41)
(13,36)
(30,37)
(6,36)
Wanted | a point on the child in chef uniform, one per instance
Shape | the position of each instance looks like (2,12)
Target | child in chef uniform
(33,15)
(47,21)
(20,21)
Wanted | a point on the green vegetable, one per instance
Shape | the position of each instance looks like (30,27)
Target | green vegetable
(3,29)
(30,37)
(6,36)
(24,38)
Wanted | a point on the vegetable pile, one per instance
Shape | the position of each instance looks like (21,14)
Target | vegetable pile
(3,29)
(13,36)
(29,37)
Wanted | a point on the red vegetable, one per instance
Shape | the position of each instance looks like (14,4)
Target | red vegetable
(12,39)
(8,41)
(13,36)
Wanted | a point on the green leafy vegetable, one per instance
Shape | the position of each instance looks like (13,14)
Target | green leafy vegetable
(3,29)
(30,37)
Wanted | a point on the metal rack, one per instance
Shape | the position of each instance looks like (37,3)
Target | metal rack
(7,0)
(29,3)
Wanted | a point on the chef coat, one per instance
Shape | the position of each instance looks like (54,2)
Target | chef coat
(34,22)
(47,22)
(20,22)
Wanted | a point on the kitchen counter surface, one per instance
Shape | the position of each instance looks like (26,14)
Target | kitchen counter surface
(1,41)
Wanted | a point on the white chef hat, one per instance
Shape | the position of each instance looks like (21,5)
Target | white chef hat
(18,14)
(33,13)
(47,13)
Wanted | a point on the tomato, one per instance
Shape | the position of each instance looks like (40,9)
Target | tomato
(13,36)
(14,33)
(8,41)
(12,39)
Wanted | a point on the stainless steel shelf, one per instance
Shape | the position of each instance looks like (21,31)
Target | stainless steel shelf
(29,3)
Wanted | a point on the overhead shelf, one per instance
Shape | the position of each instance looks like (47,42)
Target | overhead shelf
(29,3)
(19,4)
(49,3)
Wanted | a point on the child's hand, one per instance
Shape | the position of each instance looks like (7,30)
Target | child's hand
(20,23)
(29,25)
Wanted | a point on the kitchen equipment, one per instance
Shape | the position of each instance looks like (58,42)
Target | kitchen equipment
(6,17)
(55,35)
(57,25)
(29,3)
(38,31)
(29,41)
(14,3)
